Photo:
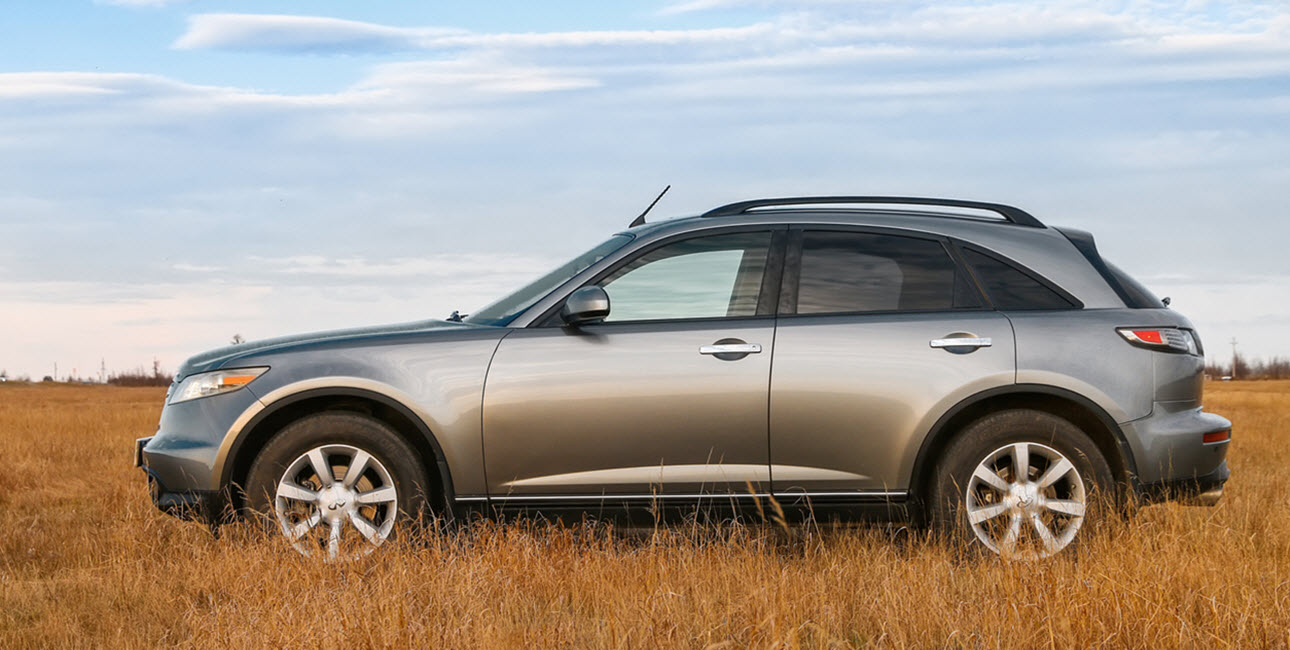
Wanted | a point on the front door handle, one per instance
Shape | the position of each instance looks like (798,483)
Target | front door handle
(730,348)
(960,343)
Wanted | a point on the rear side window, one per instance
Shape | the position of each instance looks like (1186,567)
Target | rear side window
(850,272)
(1138,294)
(1012,288)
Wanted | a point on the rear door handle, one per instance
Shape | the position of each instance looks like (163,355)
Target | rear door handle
(962,342)
(730,348)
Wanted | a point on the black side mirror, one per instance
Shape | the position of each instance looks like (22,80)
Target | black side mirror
(586,305)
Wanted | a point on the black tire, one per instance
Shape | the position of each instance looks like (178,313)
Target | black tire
(336,429)
(976,444)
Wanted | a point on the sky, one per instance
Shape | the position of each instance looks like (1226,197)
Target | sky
(176,172)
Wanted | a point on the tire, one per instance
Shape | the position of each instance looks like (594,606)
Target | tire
(337,516)
(1068,487)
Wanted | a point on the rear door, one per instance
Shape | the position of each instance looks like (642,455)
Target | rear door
(879,333)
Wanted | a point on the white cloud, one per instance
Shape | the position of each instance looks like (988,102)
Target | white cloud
(321,34)
(917,52)
(286,32)
(438,80)
(690,6)
(980,24)
(583,39)
(17,85)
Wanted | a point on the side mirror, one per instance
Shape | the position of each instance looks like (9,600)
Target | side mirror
(586,305)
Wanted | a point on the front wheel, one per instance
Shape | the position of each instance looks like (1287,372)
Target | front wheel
(1021,483)
(336,484)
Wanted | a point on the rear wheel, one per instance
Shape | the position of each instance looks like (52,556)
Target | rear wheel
(1022,484)
(336,484)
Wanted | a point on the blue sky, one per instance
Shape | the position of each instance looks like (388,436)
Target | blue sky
(177,172)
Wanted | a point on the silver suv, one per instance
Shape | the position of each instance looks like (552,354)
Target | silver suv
(953,363)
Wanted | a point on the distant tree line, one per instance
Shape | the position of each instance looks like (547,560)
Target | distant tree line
(141,377)
(137,377)
(1242,368)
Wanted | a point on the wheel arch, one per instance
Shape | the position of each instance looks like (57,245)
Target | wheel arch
(1079,410)
(256,434)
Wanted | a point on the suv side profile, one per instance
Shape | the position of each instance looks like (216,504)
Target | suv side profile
(947,362)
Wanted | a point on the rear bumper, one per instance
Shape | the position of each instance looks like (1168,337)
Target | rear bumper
(1199,491)
(1169,444)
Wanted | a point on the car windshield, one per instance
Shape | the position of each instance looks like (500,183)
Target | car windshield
(506,309)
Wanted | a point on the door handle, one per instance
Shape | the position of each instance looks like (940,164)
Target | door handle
(730,348)
(962,342)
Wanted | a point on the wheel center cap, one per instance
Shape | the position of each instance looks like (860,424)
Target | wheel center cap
(1025,495)
(335,502)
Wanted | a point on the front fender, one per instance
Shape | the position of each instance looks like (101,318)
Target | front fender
(438,385)
(285,397)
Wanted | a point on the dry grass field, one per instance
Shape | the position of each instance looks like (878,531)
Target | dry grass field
(86,561)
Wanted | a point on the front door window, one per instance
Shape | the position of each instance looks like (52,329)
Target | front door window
(705,277)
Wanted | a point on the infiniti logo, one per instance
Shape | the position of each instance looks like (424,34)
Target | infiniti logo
(336,506)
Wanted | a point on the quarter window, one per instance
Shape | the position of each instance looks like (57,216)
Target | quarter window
(849,272)
(705,277)
(1010,287)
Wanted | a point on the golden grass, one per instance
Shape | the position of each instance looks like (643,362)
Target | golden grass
(86,561)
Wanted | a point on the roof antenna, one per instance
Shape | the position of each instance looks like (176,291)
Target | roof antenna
(640,221)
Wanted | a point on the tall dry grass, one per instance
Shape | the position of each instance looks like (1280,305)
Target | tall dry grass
(86,561)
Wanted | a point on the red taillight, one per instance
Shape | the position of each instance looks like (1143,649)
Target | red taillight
(1169,339)
(1149,336)
(1217,436)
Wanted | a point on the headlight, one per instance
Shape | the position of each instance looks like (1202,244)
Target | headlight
(214,383)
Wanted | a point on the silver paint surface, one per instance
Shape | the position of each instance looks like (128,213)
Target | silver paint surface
(852,397)
(620,399)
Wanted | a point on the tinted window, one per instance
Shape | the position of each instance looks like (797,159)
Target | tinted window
(704,277)
(1139,295)
(863,272)
(1011,288)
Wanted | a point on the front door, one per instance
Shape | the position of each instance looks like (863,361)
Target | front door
(666,396)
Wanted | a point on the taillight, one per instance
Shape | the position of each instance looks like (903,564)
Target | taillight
(1164,339)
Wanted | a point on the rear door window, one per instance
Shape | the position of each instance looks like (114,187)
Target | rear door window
(858,272)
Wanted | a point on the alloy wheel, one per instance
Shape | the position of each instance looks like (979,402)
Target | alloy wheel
(338,500)
(1025,500)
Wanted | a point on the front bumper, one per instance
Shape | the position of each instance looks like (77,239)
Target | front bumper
(185,452)
(208,506)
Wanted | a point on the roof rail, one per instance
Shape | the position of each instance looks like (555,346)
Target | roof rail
(1010,214)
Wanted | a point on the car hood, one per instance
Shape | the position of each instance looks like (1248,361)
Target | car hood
(214,359)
